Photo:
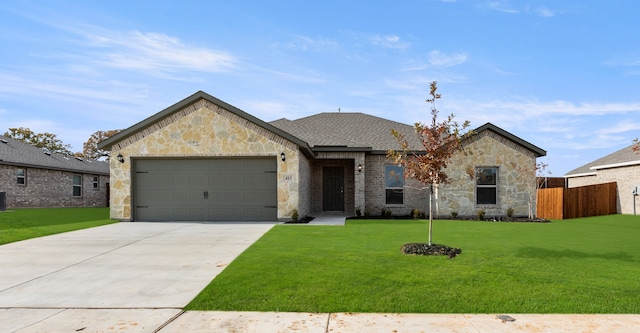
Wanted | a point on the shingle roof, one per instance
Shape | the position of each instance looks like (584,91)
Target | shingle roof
(352,130)
(621,157)
(13,152)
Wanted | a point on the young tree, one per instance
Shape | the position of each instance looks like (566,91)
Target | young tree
(90,148)
(636,148)
(440,141)
(535,174)
(48,141)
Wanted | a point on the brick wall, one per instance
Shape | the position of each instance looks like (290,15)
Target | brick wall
(51,188)
(414,197)
(317,183)
(626,178)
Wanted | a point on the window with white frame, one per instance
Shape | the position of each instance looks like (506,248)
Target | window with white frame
(394,184)
(486,185)
(77,185)
(21,176)
(96,182)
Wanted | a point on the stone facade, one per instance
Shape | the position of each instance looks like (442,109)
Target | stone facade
(626,177)
(51,188)
(204,129)
(515,184)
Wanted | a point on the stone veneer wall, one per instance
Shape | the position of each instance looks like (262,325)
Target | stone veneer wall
(626,178)
(516,177)
(51,188)
(516,181)
(204,129)
(305,187)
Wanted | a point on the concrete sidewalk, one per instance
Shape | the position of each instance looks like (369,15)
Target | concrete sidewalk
(176,321)
(214,321)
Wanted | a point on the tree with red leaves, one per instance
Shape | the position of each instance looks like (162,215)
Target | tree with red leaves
(440,140)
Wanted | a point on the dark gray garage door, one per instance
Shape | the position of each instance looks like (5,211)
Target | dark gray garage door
(223,189)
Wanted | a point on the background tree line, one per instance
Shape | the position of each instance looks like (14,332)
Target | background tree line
(51,142)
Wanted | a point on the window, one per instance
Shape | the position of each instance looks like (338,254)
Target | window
(21,176)
(394,184)
(96,182)
(77,185)
(487,186)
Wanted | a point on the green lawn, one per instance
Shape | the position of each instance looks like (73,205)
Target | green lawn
(589,265)
(20,224)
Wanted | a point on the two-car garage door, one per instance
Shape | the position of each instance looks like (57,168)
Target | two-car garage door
(220,189)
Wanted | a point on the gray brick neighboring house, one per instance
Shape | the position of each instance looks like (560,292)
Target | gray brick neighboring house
(621,167)
(33,177)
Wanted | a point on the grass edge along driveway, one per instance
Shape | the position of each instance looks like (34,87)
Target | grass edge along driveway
(588,265)
(25,223)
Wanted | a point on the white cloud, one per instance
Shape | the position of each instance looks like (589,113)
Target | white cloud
(156,52)
(442,60)
(621,127)
(545,12)
(305,43)
(500,6)
(389,41)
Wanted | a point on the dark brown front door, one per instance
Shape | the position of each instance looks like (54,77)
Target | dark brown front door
(333,189)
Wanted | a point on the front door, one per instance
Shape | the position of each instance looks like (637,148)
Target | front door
(333,189)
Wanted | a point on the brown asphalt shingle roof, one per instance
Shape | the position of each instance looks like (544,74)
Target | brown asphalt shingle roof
(623,155)
(13,152)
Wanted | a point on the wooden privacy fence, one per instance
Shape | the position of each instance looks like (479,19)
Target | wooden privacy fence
(575,202)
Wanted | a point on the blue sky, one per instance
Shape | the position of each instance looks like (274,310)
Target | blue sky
(563,75)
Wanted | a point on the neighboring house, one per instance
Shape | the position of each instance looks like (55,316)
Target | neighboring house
(33,177)
(622,167)
(203,159)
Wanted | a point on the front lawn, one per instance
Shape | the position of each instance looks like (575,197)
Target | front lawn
(20,224)
(589,265)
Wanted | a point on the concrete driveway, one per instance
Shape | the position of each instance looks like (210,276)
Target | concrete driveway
(132,271)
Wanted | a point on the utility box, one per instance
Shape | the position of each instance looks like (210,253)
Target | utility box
(3,201)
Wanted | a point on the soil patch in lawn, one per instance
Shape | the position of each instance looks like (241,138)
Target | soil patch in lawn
(430,250)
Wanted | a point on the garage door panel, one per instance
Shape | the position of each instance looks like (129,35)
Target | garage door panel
(205,189)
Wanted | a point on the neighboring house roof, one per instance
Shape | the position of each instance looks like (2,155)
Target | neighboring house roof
(350,130)
(14,152)
(623,157)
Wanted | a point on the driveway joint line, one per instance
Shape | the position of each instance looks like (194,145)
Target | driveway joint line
(169,321)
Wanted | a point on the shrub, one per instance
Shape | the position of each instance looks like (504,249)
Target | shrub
(510,212)
(294,215)
(367,212)
(386,213)
(454,214)
(481,213)
(417,213)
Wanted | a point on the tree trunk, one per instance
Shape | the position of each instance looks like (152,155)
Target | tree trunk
(430,213)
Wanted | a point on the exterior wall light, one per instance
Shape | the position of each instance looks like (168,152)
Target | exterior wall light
(282,157)
(359,167)
(120,158)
